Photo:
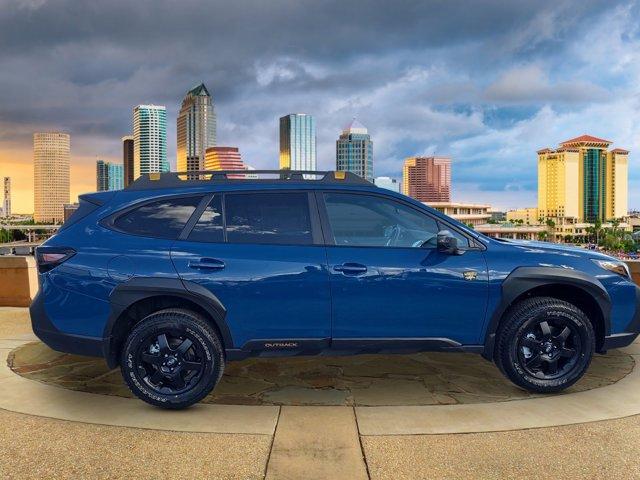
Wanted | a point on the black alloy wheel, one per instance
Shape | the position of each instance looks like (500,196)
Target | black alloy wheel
(172,359)
(549,349)
(170,362)
(544,344)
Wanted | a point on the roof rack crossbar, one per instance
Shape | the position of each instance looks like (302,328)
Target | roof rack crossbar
(195,177)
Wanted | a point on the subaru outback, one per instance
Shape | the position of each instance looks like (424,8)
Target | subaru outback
(176,275)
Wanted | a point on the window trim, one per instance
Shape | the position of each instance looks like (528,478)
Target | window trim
(328,232)
(314,217)
(109,221)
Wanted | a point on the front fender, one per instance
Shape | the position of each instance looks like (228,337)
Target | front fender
(525,279)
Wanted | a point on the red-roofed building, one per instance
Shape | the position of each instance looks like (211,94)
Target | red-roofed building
(586,139)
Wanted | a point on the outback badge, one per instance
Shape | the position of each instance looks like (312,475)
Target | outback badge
(470,275)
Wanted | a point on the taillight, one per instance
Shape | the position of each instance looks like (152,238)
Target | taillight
(50,257)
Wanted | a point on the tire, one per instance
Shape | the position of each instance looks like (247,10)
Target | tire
(172,359)
(544,345)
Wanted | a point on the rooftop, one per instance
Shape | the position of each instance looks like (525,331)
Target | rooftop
(199,90)
(586,139)
(354,126)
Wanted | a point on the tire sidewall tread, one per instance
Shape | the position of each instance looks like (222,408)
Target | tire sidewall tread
(197,326)
(517,317)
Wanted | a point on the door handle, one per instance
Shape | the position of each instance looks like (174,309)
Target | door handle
(207,264)
(350,268)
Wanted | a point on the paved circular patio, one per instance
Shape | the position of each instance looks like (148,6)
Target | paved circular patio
(369,380)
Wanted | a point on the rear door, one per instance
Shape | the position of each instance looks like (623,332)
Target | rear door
(261,255)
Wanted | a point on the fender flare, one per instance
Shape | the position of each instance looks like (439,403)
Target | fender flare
(524,279)
(139,288)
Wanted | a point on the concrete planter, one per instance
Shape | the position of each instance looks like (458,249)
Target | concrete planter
(18,281)
(634,266)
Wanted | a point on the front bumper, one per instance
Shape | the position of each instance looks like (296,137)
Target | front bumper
(631,331)
(61,341)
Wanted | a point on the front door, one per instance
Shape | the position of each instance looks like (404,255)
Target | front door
(389,281)
(265,263)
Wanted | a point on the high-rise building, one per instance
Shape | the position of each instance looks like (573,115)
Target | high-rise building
(388,183)
(149,140)
(581,180)
(224,158)
(109,176)
(195,128)
(427,179)
(297,142)
(51,158)
(102,176)
(7,197)
(354,151)
(115,176)
(127,159)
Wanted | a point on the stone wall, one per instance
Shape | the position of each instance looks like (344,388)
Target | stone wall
(18,281)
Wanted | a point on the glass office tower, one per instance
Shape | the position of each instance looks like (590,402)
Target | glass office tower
(297,142)
(149,140)
(354,151)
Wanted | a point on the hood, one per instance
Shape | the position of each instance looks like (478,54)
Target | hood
(557,248)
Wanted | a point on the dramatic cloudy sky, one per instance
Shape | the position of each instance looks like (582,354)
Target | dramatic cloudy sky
(486,82)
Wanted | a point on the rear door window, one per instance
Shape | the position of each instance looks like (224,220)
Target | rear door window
(275,218)
(160,219)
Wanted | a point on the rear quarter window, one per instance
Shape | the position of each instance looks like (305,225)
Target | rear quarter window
(159,219)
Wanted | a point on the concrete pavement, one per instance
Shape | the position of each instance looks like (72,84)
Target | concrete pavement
(309,442)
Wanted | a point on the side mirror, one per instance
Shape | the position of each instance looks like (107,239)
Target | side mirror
(447,243)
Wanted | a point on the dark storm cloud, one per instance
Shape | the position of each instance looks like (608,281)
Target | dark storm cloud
(419,74)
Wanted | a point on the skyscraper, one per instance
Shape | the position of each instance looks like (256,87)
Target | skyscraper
(196,129)
(581,180)
(109,176)
(115,176)
(7,197)
(127,159)
(102,176)
(427,179)
(224,158)
(149,140)
(51,157)
(297,142)
(354,151)
(388,183)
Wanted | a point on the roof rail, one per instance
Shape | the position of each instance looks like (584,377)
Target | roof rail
(202,177)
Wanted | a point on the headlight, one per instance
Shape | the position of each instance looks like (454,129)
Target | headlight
(620,268)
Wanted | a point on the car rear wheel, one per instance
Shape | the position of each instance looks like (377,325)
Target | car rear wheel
(544,344)
(172,359)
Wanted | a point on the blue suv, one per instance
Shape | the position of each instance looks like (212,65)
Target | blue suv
(176,275)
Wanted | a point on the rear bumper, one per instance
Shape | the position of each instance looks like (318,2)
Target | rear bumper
(626,338)
(60,341)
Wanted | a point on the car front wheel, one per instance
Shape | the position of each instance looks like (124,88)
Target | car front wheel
(545,345)
(172,359)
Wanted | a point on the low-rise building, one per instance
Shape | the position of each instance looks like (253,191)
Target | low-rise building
(528,216)
(468,213)
(511,231)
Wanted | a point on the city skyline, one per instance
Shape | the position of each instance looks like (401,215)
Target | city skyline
(488,86)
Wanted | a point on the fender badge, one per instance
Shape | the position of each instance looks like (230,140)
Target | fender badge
(470,275)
